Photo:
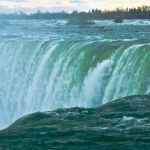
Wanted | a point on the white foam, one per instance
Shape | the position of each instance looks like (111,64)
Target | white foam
(125,118)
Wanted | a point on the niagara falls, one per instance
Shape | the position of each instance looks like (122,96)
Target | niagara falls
(74,86)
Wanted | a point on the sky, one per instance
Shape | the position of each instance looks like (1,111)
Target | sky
(31,6)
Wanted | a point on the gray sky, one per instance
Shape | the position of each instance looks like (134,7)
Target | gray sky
(30,6)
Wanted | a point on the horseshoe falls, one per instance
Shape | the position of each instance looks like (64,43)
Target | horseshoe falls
(46,65)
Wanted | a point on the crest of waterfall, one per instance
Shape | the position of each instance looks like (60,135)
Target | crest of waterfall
(44,75)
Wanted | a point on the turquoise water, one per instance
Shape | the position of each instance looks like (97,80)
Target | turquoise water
(46,65)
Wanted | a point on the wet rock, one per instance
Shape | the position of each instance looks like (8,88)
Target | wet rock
(118,20)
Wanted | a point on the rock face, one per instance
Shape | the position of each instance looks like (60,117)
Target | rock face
(121,124)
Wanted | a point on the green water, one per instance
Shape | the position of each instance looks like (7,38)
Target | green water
(123,124)
(45,75)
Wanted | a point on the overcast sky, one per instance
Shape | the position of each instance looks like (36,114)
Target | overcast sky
(30,6)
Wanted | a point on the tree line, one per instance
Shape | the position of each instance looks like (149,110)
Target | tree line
(140,12)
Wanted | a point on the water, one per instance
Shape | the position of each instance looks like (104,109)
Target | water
(45,65)
(121,124)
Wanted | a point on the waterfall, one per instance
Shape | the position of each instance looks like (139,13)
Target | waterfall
(45,75)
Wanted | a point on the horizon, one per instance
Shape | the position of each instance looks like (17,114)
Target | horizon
(32,6)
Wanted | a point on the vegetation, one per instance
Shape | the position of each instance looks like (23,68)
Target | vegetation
(141,12)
